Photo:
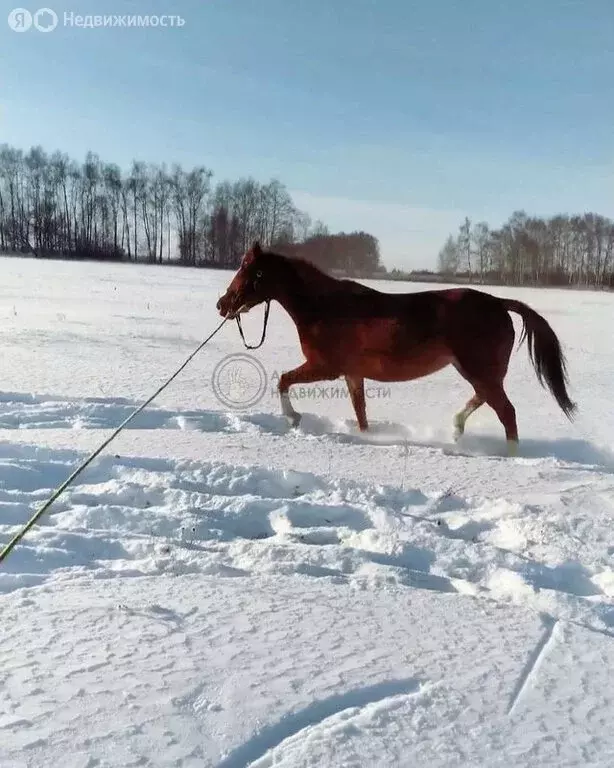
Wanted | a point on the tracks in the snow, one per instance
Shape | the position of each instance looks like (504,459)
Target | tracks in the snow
(131,517)
(322,715)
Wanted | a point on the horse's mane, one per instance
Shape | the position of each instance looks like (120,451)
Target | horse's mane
(308,272)
(313,277)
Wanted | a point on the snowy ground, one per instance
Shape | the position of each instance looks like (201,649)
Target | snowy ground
(219,590)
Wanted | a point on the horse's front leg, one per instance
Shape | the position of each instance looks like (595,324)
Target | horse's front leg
(304,374)
(356,388)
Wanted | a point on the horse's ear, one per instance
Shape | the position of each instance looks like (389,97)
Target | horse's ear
(256,249)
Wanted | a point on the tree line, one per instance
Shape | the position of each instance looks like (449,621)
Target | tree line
(55,207)
(528,250)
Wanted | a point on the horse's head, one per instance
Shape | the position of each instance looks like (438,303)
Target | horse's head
(251,285)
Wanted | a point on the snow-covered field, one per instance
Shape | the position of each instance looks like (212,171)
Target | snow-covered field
(220,590)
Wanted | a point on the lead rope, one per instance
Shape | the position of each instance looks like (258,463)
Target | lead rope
(32,521)
(266,319)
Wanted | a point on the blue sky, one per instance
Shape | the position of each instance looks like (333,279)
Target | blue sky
(397,117)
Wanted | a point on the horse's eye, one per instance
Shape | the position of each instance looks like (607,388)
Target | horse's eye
(258,274)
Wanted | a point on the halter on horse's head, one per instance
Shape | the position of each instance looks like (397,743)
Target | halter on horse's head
(250,286)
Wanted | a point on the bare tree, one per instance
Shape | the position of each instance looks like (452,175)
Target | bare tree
(54,206)
(572,250)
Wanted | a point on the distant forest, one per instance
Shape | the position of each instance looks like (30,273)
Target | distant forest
(526,250)
(54,207)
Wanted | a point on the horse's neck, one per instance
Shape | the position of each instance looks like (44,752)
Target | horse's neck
(298,305)
(302,292)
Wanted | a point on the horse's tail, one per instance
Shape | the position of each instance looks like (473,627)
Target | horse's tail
(545,353)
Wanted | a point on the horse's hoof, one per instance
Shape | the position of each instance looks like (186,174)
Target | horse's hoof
(294,420)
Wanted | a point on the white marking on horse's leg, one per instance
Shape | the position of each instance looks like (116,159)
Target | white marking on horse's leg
(512,447)
(286,405)
(287,409)
(461,417)
(459,423)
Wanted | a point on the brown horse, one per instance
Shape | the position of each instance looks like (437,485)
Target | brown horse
(350,330)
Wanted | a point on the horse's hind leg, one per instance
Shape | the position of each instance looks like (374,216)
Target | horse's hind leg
(304,374)
(356,388)
(484,365)
(500,403)
(461,417)
(492,393)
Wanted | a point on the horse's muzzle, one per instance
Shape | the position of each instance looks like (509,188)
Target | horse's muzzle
(223,305)
(230,306)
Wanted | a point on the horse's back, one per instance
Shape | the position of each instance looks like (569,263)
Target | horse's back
(455,317)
